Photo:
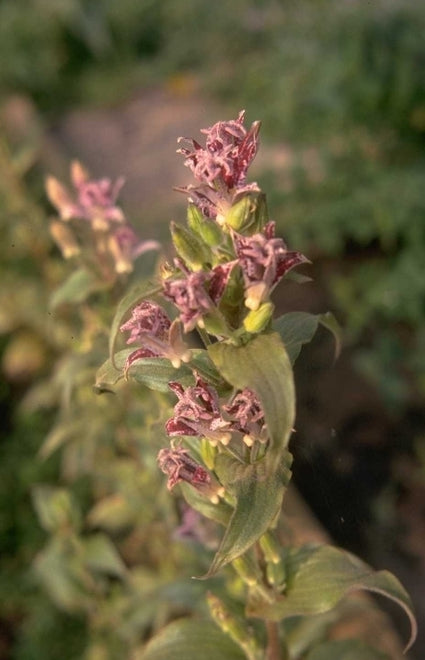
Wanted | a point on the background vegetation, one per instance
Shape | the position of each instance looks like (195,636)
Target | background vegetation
(341,92)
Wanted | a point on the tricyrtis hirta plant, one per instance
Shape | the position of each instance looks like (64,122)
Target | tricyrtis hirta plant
(204,332)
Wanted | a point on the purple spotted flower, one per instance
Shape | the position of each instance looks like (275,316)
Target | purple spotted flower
(264,260)
(247,416)
(197,413)
(197,294)
(221,167)
(179,466)
(150,326)
(95,200)
(125,246)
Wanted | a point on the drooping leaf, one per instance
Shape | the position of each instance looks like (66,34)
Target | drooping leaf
(155,373)
(137,293)
(263,366)
(191,640)
(318,577)
(77,288)
(298,328)
(346,649)
(258,497)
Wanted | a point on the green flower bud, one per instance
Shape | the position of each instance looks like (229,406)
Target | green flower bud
(207,230)
(257,320)
(276,575)
(249,214)
(188,246)
(270,548)
(235,627)
(247,570)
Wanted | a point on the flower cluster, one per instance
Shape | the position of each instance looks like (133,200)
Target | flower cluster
(94,204)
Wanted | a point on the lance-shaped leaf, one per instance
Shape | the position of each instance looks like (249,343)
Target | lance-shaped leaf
(258,496)
(263,366)
(190,640)
(77,288)
(139,292)
(298,328)
(318,577)
(153,372)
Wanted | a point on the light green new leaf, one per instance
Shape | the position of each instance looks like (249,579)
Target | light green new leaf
(186,639)
(263,366)
(137,293)
(77,288)
(318,577)
(258,496)
(298,328)
(155,373)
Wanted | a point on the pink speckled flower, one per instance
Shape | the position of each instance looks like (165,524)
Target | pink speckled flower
(264,260)
(247,416)
(221,167)
(150,325)
(95,200)
(197,412)
(178,465)
(197,294)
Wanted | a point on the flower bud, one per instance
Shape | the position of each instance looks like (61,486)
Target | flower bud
(249,214)
(270,548)
(235,627)
(246,570)
(257,320)
(276,575)
(207,230)
(188,246)
(64,239)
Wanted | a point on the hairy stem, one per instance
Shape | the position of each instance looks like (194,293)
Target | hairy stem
(274,650)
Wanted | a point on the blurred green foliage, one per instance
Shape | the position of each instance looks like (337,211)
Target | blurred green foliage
(341,92)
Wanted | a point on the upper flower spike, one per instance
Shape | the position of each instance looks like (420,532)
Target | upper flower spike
(221,167)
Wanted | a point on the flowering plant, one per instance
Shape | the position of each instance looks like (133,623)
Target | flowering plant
(203,331)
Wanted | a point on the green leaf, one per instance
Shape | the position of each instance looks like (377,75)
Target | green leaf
(346,649)
(318,577)
(154,372)
(263,366)
(101,555)
(63,574)
(298,328)
(112,513)
(77,288)
(258,498)
(203,364)
(191,640)
(139,292)
(55,508)
(220,513)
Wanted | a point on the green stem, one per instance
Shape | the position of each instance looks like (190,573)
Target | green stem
(204,336)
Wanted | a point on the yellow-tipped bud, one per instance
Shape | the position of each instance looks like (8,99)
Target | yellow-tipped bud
(257,320)
(64,239)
